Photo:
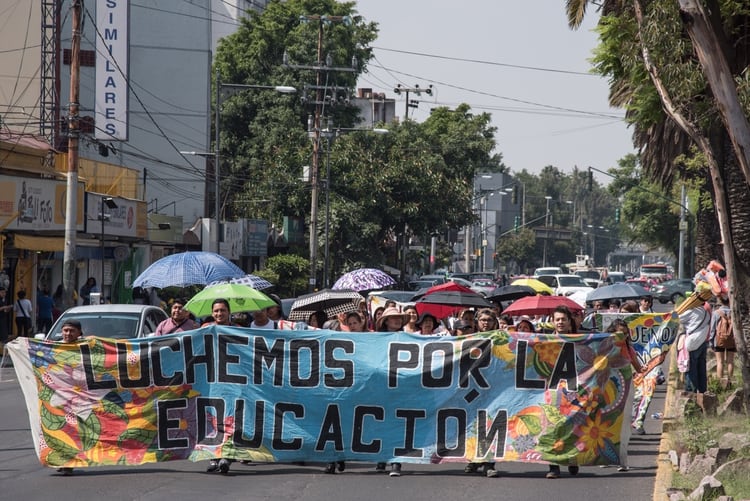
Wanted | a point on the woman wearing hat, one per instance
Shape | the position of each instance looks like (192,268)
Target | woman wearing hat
(391,320)
(427,324)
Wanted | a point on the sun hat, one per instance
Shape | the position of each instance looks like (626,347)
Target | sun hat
(462,325)
(391,311)
(427,315)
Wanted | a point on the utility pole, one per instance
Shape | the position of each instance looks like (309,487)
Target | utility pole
(320,67)
(416,90)
(71,201)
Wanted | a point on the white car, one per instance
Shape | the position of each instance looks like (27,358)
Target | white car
(565,285)
(114,321)
(483,287)
(552,270)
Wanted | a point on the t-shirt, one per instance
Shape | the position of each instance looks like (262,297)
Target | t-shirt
(44,304)
(697,322)
(23,308)
(267,325)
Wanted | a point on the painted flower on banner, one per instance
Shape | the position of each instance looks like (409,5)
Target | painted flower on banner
(600,363)
(71,392)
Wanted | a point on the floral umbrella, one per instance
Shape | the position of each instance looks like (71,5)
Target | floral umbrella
(364,279)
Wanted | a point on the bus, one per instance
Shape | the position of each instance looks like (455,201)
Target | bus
(657,271)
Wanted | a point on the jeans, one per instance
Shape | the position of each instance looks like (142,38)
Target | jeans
(697,378)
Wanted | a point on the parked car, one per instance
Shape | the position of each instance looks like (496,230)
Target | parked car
(551,270)
(114,321)
(483,286)
(461,281)
(614,277)
(672,290)
(640,282)
(438,279)
(591,277)
(565,285)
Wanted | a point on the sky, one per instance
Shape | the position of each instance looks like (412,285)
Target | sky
(514,59)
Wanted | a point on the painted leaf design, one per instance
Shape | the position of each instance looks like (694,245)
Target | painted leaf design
(114,409)
(138,434)
(50,420)
(91,429)
(45,394)
(68,357)
(98,356)
(531,422)
(553,414)
(59,449)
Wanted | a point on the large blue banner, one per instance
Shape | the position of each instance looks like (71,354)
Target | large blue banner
(318,395)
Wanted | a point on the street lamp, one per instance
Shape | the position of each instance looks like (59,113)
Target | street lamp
(217,138)
(111,204)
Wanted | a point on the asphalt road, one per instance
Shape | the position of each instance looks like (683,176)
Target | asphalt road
(23,477)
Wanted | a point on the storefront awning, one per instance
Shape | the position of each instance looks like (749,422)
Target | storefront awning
(48,244)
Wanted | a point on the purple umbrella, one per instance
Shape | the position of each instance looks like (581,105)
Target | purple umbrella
(364,279)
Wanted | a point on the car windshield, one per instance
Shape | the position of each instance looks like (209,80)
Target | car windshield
(571,282)
(109,325)
(588,274)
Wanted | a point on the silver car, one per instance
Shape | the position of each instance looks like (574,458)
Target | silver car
(114,321)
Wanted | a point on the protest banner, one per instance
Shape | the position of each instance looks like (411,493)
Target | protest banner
(281,396)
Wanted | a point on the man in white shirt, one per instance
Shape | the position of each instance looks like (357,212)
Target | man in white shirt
(261,320)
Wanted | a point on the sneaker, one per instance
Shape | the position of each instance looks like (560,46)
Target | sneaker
(213,465)
(330,468)
(224,466)
(380,468)
(573,470)
(490,472)
(471,468)
(341,466)
(67,472)
(623,468)
(638,430)
(554,471)
(395,470)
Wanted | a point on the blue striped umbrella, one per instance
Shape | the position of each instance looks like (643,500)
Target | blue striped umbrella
(250,280)
(188,268)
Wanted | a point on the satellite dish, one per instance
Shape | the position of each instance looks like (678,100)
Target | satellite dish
(121,253)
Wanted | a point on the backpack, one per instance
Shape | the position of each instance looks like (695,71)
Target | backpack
(724,333)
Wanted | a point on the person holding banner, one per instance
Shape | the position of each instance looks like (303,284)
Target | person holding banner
(697,323)
(221,314)
(562,320)
(71,332)
(392,320)
(487,321)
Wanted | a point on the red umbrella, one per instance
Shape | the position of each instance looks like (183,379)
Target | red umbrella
(446,303)
(446,287)
(540,305)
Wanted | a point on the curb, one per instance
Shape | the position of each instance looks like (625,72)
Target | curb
(664,468)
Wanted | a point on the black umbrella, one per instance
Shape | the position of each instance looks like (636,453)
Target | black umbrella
(617,291)
(510,293)
(328,300)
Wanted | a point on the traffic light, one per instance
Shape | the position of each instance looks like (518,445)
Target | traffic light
(617,215)
(514,195)
(591,179)
(516,223)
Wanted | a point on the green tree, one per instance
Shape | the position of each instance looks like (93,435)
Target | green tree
(515,251)
(288,273)
(682,77)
